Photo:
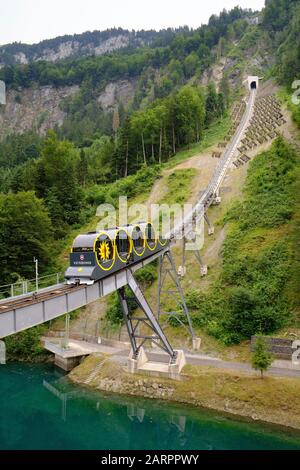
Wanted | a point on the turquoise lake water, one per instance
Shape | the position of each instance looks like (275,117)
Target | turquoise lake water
(40,409)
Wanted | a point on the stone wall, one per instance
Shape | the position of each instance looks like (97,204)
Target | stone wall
(280,347)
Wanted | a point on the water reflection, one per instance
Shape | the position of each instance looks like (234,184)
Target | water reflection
(44,410)
(157,425)
(174,426)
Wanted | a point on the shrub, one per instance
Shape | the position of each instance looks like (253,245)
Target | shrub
(114,313)
(147,275)
(251,293)
(26,346)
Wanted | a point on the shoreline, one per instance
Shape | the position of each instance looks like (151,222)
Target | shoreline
(287,430)
(233,394)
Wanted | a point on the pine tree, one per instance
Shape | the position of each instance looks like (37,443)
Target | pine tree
(261,357)
(82,168)
(116,121)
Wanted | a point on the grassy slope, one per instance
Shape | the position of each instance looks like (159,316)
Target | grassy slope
(259,241)
(259,255)
(177,188)
(216,132)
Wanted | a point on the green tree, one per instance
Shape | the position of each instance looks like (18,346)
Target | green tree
(24,176)
(191,64)
(175,71)
(261,358)
(82,168)
(57,180)
(211,104)
(190,112)
(25,232)
(99,160)
(121,154)
(225,89)
(26,345)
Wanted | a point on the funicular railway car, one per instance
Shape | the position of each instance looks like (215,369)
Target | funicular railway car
(95,255)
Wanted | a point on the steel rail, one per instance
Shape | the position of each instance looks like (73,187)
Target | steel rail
(207,197)
(22,312)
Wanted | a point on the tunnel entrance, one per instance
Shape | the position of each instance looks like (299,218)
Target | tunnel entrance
(253,85)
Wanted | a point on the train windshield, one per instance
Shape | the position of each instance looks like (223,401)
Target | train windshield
(82,249)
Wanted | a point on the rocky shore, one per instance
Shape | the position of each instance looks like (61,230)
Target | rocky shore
(273,400)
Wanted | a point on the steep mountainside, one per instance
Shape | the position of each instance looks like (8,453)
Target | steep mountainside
(65,94)
(89,43)
(117,120)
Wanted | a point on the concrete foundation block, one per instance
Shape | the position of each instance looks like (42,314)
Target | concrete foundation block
(66,363)
(203,270)
(181,271)
(211,230)
(196,344)
(176,368)
(135,364)
(217,200)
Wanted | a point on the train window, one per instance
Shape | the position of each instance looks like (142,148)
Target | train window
(123,245)
(104,249)
(163,241)
(150,236)
(138,240)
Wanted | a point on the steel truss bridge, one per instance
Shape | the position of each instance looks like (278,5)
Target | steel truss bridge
(19,313)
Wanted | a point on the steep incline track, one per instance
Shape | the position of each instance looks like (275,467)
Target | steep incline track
(20,313)
(206,198)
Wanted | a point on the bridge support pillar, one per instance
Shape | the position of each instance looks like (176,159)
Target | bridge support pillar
(217,198)
(167,271)
(136,362)
(154,332)
(65,341)
(211,228)
(182,269)
(196,344)
(2,353)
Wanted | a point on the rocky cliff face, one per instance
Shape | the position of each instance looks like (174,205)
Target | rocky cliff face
(73,48)
(33,109)
(121,91)
(96,43)
(40,108)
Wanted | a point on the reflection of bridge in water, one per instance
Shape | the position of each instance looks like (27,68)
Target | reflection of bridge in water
(175,426)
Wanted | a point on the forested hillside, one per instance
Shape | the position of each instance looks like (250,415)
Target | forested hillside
(137,78)
(86,44)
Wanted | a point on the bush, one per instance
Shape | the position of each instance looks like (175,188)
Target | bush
(26,346)
(147,275)
(114,313)
(251,294)
(130,186)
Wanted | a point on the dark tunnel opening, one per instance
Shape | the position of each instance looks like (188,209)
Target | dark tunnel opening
(253,85)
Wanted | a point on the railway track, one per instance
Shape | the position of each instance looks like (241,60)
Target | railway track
(17,304)
(206,198)
(33,298)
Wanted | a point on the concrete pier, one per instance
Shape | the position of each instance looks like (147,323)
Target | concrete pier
(157,369)
(70,357)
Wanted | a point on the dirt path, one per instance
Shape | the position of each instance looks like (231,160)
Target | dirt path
(231,190)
